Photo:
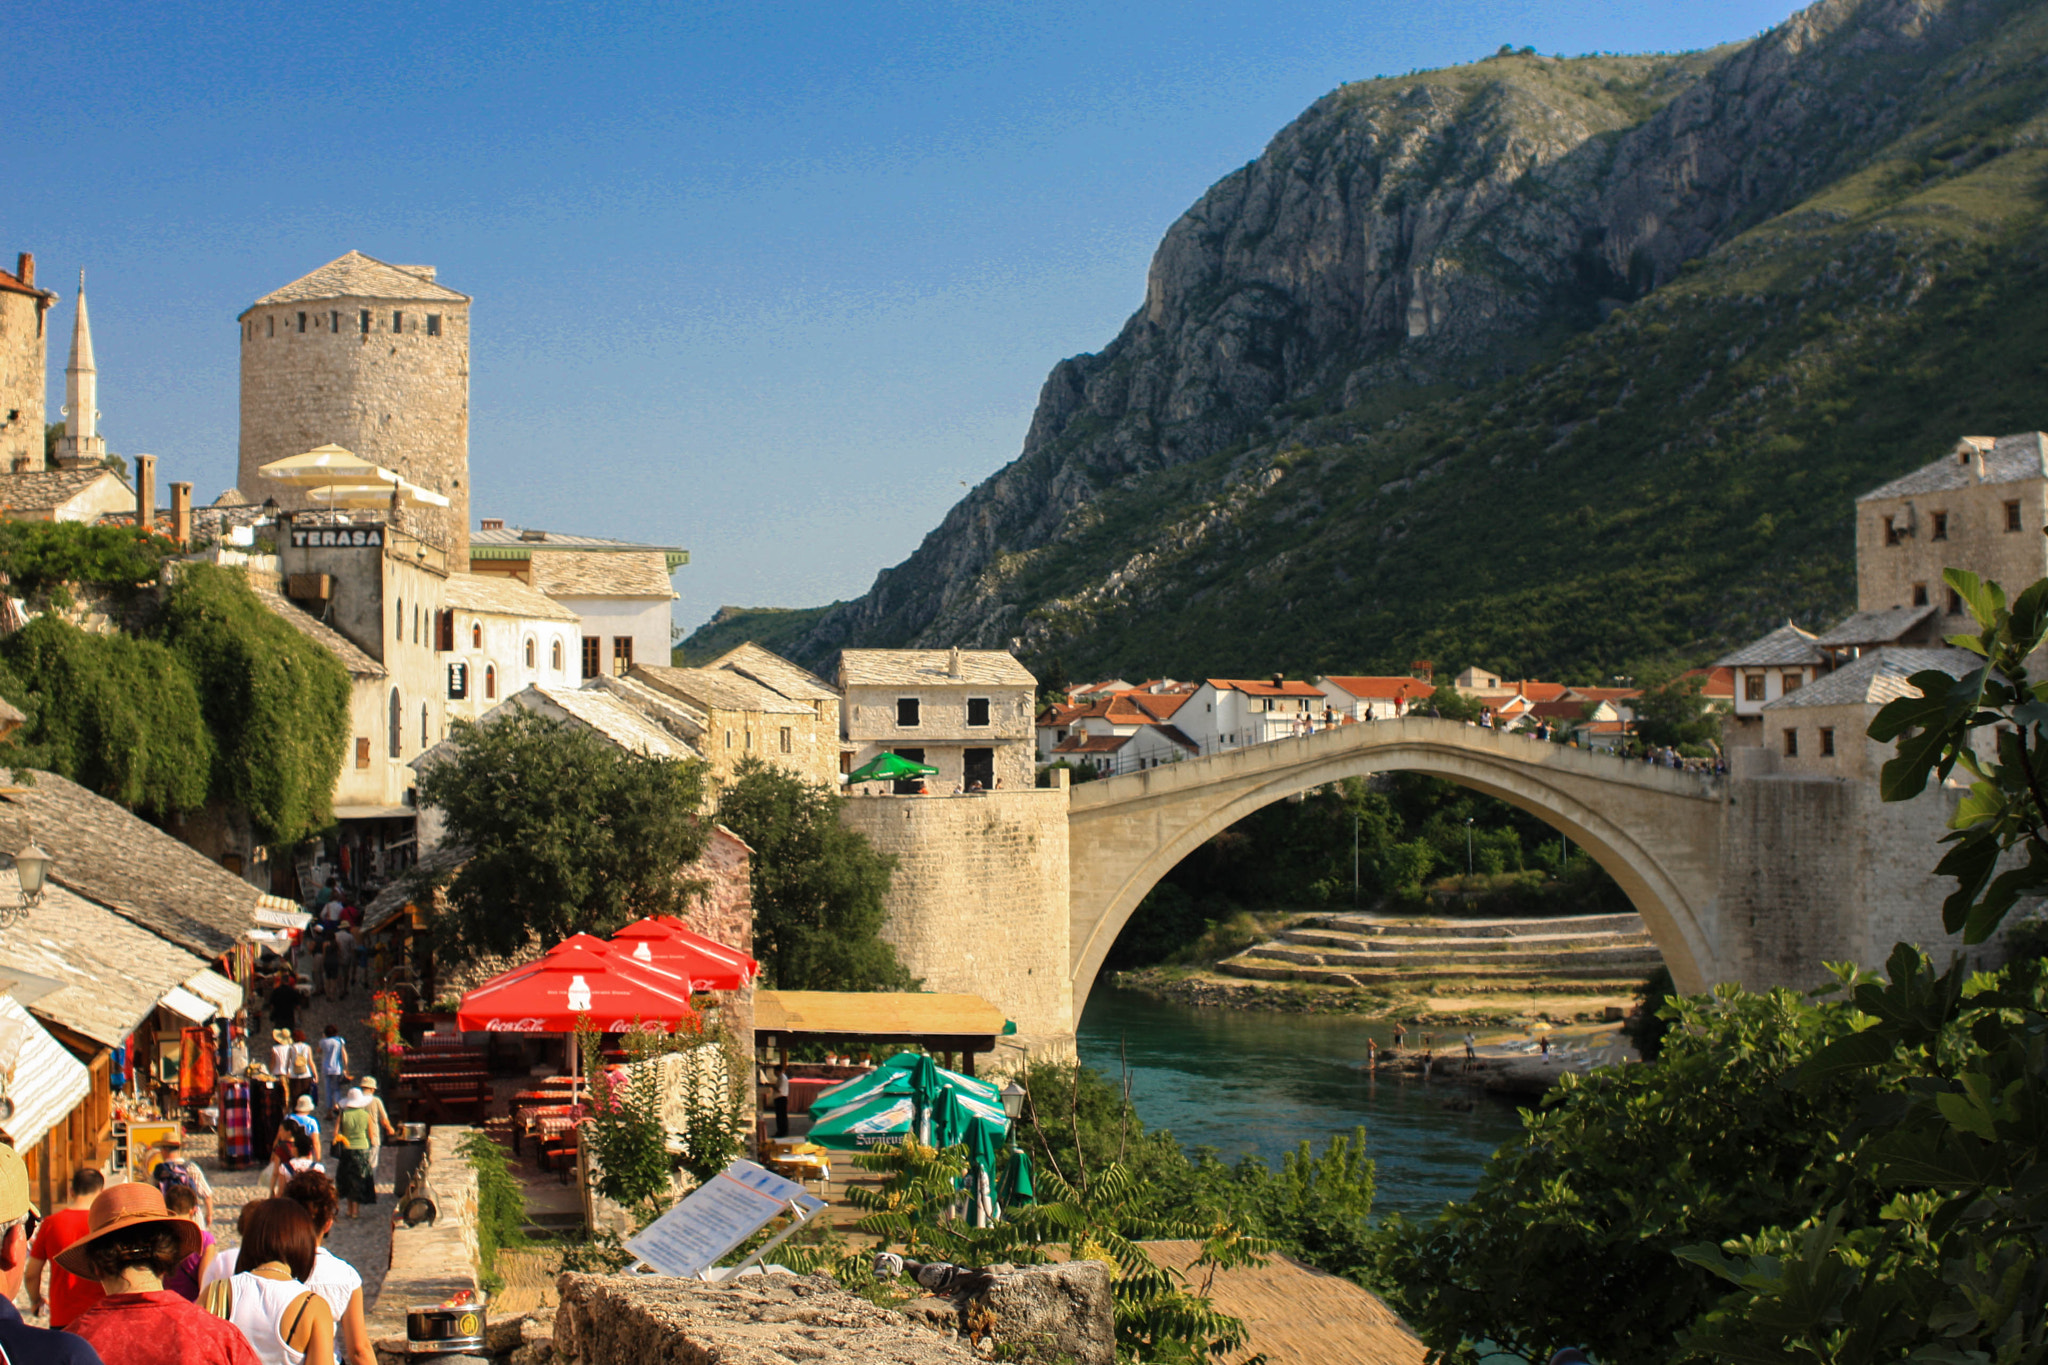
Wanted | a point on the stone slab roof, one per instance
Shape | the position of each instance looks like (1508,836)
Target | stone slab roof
(533,538)
(386,904)
(503,595)
(1878,677)
(41,488)
(720,687)
(2007,459)
(113,972)
(606,715)
(583,573)
(772,670)
(1875,627)
(128,865)
(356,276)
(930,668)
(352,657)
(1295,1314)
(670,712)
(1788,644)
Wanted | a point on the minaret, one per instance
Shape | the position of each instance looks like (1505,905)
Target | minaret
(81,444)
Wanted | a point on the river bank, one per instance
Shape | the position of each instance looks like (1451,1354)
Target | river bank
(1418,1004)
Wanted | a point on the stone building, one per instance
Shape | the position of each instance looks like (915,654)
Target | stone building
(966,712)
(499,636)
(1770,667)
(24,349)
(740,718)
(1982,508)
(619,590)
(371,357)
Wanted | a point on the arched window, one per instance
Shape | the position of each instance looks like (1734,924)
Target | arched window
(555,657)
(530,652)
(397,724)
(423,725)
(490,681)
(399,623)
(476,635)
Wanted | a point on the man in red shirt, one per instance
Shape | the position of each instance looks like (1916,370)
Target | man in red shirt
(70,1294)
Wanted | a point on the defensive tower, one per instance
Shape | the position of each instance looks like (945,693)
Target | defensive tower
(23,309)
(371,357)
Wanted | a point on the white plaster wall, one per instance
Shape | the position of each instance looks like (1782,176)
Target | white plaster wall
(646,619)
(504,648)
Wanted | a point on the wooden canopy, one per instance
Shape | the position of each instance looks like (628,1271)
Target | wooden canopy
(965,1024)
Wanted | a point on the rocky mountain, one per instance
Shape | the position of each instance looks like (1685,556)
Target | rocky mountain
(1546,362)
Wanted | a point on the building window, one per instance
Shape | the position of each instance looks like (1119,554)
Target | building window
(1940,531)
(362,751)
(593,656)
(622,655)
(490,681)
(555,657)
(1827,742)
(1955,603)
(1791,744)
(302,322)
(1752,687)
(1790,682)
(399,624)
(476,635)
(532,652)
(728,739)
(415,623)
(906,711)
(749,739)
(2012,515)
(788,741)
(977,710)
(444,629)
(397,724)
(1891,531)
(1919,594)
(363,321)
(845,761)
(334,321)
(433,324)
(397,323)
(423,725)
(270,326)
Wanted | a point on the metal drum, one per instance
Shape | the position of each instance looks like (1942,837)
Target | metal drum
(444,1330)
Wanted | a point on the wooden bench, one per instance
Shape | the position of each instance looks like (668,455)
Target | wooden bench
(438,1096)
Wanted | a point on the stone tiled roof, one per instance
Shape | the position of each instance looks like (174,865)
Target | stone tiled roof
(2008,459)
(609,573)
(718,687)
(319,632)
(386,904)
(42,488)
(113,972)
(356,276)
(670,712)
(533,538)
(128,865)
(504,595)
(929,668)
(1875,627)
(772,670)
(1878,677)
(1788,644)
(606,715)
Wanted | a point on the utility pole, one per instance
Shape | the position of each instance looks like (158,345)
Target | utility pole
(1468,846)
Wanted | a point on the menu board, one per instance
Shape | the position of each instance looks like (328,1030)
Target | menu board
(716,1217)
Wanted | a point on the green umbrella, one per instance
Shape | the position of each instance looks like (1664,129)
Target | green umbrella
(1015,1186)
(892,1078)
(883,1121)
(889,768)
(957,1122)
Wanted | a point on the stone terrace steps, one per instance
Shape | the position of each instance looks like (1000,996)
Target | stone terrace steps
(1572,954)
(1379,926)
(1387,945)
(1445,981)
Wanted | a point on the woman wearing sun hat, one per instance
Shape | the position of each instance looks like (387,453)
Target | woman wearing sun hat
(353,1175)
(131,1242)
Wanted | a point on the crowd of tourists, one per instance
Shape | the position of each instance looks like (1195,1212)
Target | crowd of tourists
(135,1277)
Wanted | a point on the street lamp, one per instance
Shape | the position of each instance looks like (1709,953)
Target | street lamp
(1013,1099)
(31,869)
(1468,846)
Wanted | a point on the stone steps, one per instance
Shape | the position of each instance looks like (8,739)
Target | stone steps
(1378,927)
(1387,944)
(1619,957)
(1453,981)
(1580,954)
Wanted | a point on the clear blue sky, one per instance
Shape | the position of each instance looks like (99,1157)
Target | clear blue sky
(770,281)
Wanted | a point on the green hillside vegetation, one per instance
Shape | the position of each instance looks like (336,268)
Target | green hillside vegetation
(776,628)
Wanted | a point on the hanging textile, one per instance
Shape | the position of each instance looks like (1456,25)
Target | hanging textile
(195,1065)
(236,1147)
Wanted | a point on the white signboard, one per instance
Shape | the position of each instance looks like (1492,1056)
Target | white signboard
(716,1217)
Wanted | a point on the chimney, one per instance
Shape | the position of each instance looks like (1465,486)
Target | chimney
(181,514)
(145,492)
(25,268)
(491,524)
(1276,679)
(953,662)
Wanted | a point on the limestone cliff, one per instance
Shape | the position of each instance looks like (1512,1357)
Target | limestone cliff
(1407,241)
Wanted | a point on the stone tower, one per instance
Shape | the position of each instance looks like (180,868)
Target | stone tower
(81,444)
(23,353)
(370,357)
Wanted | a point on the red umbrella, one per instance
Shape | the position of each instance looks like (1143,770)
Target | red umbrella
(574,982)
(668,944)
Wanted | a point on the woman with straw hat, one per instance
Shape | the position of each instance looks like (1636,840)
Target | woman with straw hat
(353,1176)
(131,1242)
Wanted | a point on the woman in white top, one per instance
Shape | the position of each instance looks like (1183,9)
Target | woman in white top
(285,1322)
(334,1279)
(280,1052)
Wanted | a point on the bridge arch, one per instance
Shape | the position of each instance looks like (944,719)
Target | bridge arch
(1655,831)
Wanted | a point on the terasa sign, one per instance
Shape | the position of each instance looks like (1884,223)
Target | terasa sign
(337,537)
(534,1024)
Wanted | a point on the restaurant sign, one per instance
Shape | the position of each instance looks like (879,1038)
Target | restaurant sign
(337,537)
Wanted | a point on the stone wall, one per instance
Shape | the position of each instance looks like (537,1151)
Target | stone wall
(979,900)
(398,399)
(431,1262)
(23,357)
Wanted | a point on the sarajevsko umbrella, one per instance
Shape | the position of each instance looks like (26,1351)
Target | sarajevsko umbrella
(570,983)
(882,1122)
(672,947)
(1015,1185)
(892,1078)
(887,768)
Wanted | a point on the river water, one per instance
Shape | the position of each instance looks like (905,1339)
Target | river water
(1250,1081)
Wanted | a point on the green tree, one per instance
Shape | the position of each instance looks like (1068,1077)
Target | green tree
(276,703)
(566,833)
(1675,711)
(1449,703)
(820,889)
